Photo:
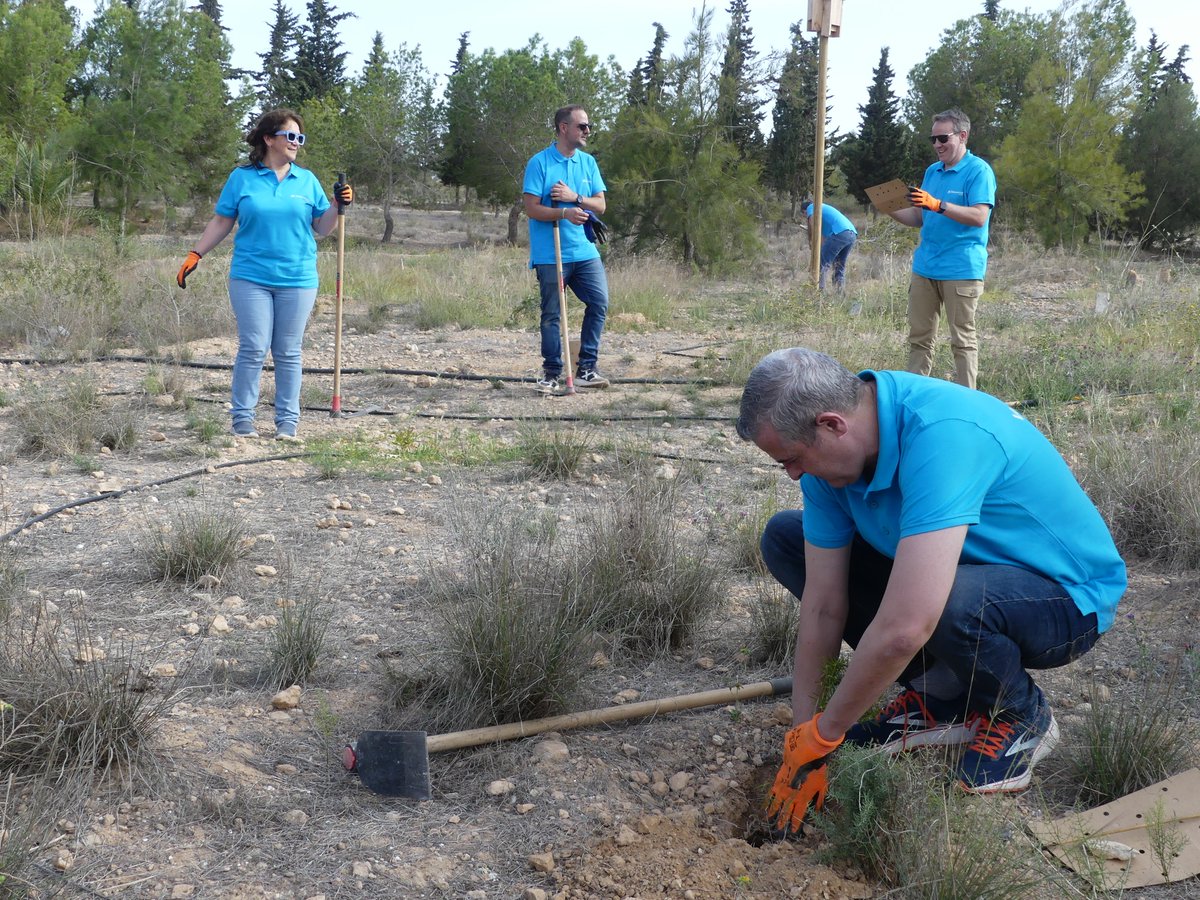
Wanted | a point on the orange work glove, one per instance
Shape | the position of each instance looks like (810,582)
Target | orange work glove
(923,200)
(343,193)
(188,267)
(802,778)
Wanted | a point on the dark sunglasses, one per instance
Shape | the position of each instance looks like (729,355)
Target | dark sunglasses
(584,126)
(293,137)
(933,138)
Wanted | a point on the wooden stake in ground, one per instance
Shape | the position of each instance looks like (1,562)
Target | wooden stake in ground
(335,405)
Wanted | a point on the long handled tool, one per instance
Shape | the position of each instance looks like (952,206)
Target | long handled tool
(562,312)
(335,405)
(396,763)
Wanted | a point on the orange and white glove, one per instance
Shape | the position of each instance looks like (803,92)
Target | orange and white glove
(802,779)
(188,267)
(924,200)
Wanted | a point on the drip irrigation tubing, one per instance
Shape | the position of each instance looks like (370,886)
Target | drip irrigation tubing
(466,417)
(326,370)
(112,495)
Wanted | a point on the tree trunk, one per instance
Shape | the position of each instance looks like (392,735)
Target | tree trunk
(514,216)
(389,223)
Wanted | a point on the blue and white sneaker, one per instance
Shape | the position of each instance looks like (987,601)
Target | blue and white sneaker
(912,721)
(1004,751)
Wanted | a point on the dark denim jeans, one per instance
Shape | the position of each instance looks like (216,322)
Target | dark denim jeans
(998,622)
(590,284)
(835,250)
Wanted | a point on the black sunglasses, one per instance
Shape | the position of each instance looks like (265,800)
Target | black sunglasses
(940,138)
(584,126)
(293,137)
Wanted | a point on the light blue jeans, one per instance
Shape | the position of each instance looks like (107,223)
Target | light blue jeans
(590,284)
(268,318)
(999,621)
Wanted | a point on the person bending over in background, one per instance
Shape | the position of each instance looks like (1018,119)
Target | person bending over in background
(838,236)
(277,206)
(947,542)
(952,207)
(563,185)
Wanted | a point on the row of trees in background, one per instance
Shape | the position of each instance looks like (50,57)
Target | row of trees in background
(1088,133)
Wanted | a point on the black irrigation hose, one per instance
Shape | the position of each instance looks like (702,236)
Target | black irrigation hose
(112,495)
(325,370)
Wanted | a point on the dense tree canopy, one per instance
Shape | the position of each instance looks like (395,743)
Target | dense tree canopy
(142,108)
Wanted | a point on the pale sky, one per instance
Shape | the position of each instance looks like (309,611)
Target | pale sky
(624,29)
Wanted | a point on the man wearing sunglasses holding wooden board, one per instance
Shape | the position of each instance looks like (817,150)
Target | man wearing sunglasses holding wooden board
(952,208)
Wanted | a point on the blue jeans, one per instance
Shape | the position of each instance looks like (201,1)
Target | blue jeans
(998,622)
(589,283)
(268,318)
(835,250)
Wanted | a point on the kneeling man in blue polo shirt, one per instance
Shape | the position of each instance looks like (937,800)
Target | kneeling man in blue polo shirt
(948,543)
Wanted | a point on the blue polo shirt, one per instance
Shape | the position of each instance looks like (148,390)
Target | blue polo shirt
(832,220)
(581,174)
(274,244)
(949,250)
(948,456)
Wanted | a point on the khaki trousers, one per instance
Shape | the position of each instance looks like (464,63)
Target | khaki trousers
(926,299)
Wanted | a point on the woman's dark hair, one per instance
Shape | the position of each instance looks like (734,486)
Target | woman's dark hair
(268,123)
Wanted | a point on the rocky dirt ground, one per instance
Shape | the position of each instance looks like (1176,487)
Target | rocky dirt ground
(248,798)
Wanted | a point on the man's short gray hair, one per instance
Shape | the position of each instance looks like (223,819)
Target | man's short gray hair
(956,117)
(790,388)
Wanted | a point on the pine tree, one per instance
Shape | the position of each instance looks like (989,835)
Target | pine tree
(739,108)
(646,78)
(789,168)
(212,9)
(880,149)
(1162,146)
(460,99)
(320,59)
(991,10)
(277,79)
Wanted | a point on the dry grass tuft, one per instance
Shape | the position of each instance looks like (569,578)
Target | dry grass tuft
(75,423)
(200,541)
(74,706)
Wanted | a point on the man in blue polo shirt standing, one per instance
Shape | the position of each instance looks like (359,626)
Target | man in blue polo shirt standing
(948,543)
(563,185)
(952,208)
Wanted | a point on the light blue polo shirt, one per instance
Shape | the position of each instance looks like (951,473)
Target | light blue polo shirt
(274,244)
(948,456)
(581,174)
(949,250)
(833,221)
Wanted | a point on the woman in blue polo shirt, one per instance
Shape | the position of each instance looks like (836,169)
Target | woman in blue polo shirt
(279,209)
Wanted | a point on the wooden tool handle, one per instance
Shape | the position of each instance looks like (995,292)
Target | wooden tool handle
(494,733)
